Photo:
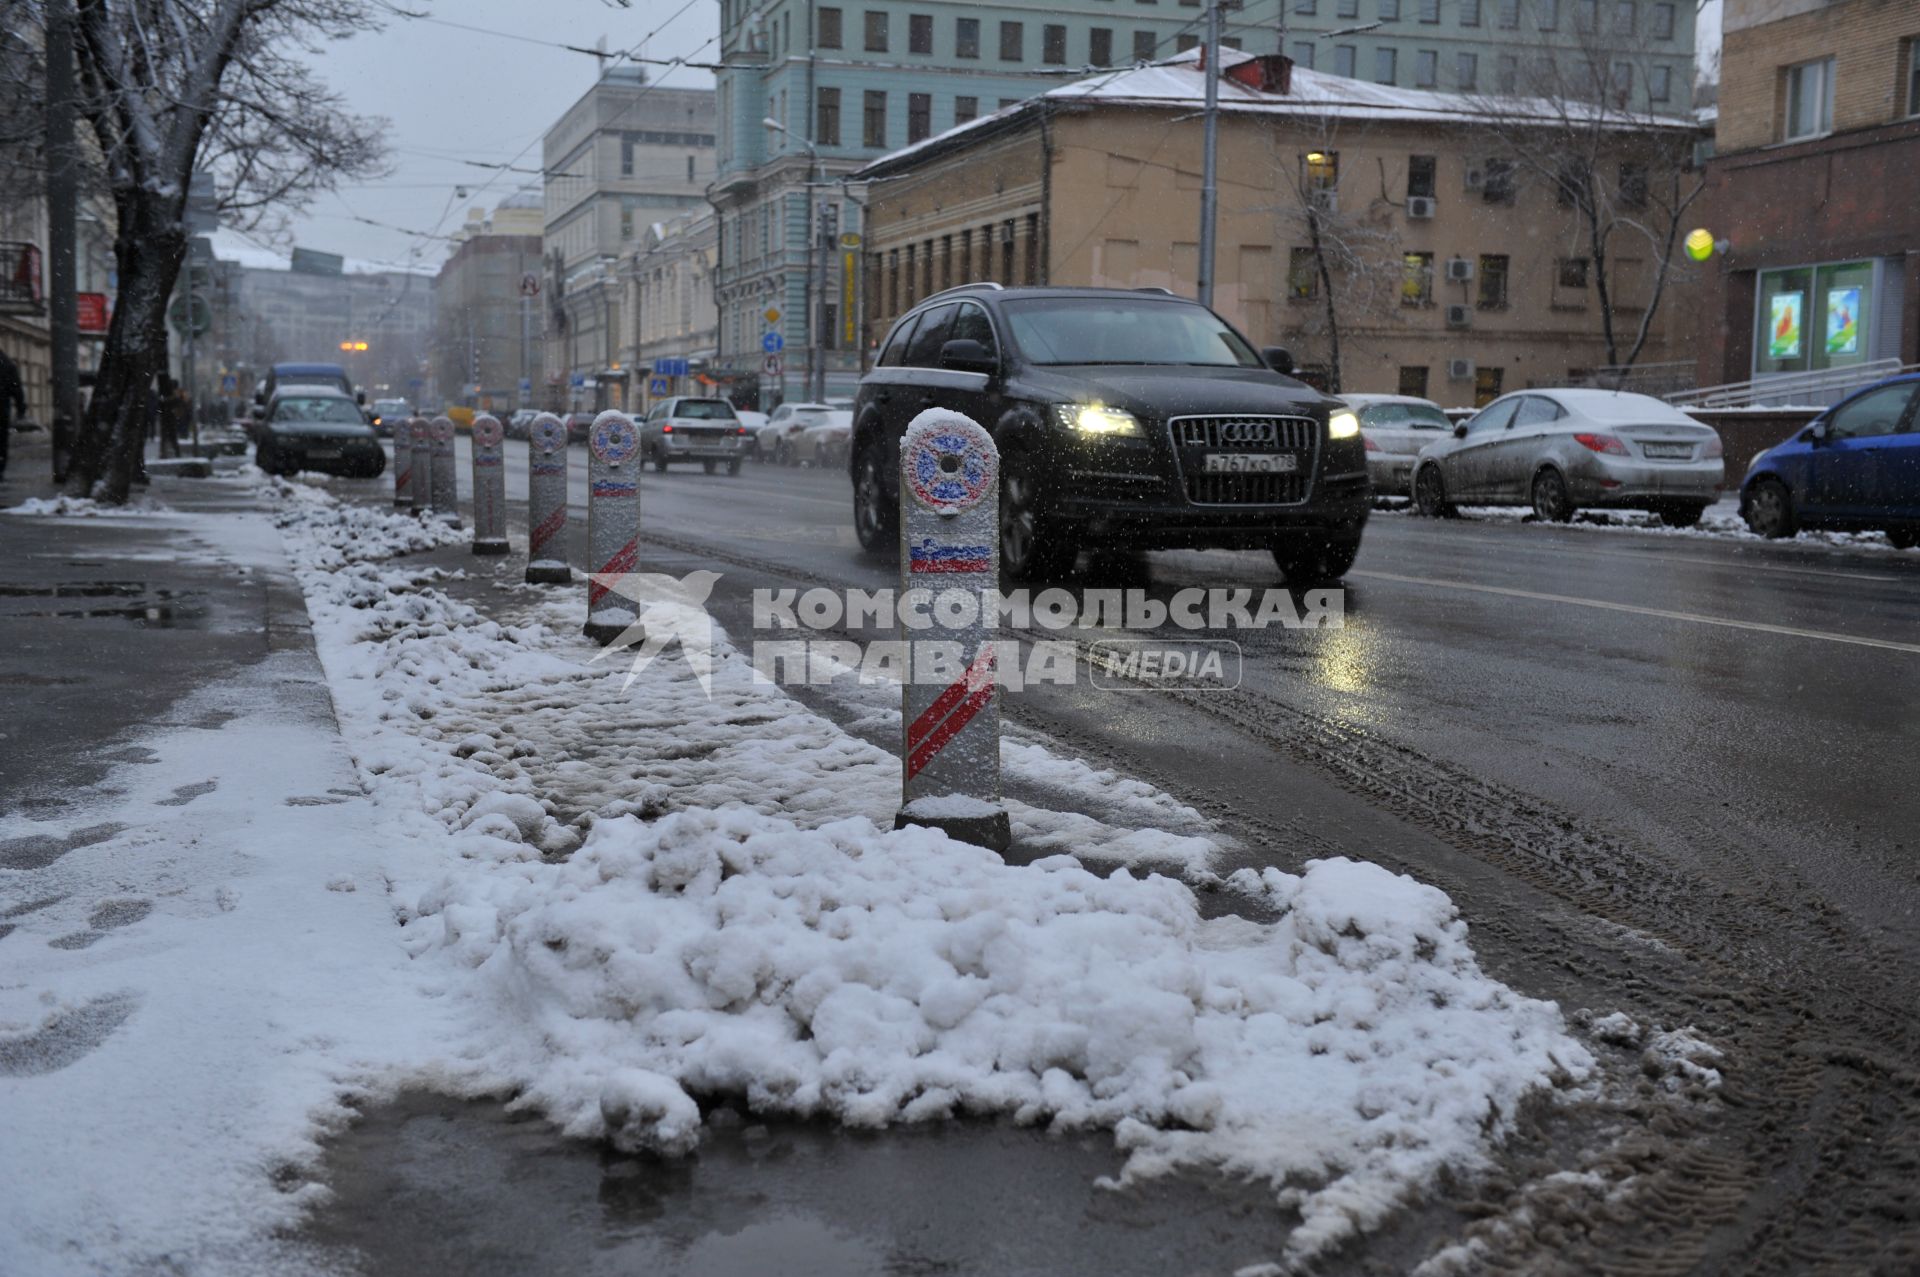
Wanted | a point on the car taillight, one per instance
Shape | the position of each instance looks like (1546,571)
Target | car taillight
(1715,448)
(1372,446)
(1602,443)
(742,430)
(667,428)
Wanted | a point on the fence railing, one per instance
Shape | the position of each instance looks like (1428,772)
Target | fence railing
(1819,388)
(1646,379)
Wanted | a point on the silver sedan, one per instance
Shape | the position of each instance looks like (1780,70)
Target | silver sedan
(1561,450)
(1396,428)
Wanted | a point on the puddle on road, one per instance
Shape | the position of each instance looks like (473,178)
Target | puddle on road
(429,1184)
(160,608)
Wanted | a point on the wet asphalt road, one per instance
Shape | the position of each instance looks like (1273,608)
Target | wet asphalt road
(1665,775)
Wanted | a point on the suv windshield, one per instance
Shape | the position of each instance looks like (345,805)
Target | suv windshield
(1405,416)
(1105,330)
(327,409)
(704,410)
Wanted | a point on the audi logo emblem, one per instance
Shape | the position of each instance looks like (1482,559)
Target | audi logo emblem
(1246,432)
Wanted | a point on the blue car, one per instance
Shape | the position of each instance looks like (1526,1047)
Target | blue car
(1854,468)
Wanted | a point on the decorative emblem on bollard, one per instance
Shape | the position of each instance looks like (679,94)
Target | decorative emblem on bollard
(949,546)
(489,486)
(547,502)
(445,497)
(420,481)
(403,463)
(613,524)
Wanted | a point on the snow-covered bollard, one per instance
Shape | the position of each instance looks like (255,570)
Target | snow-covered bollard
(489,486)
(445,496)
(613,524)
(547,502)
(950,553)
(420,467)
(403,463)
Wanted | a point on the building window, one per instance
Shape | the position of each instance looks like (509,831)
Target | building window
(1181,43)
(1586,14)
(1621,80)
(1546,14)
(1346,8)
(1013,39)
(1144,45)
(1416,279)
(1499,187)
(1809,99)
(1308,7)
(1100,46)
(920,33)
(1633,186)
(1811,318)
(966,110)
(1626,17)
(829,34)
(1303,275)
(876,31)
(1469,13)
(966,37)
(826,129)
(1663,22)
(1430,12)
(1659,83)
(1493,282)
(1389,10)
(1509,14)
(1426,68)
(1422,170)
(1303,53)
(1343,59)
(1053,45)
(1322,170)
(1507,73)
(1572,273)
(1466,70)
(1386,64)
(919,117)
(873,130)
(1413,380)
(626,222)
(1487,381)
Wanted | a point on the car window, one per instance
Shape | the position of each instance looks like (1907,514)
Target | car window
(972,324)
(1878,412)
(1404,416)
(924,350)
(659,411)
(1108,330)
(1495,417)
(1535,410)
(896,349)
(704,410)
(329,409)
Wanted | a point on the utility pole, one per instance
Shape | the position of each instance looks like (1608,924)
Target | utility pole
(63,213)
(1209,189)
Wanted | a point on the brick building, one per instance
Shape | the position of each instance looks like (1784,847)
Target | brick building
(1815,191)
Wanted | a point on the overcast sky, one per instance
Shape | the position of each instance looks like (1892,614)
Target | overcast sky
(455,95)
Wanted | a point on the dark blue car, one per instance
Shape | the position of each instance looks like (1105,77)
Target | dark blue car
(1854,468)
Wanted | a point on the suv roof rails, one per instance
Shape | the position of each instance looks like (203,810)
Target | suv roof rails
(963,288)
(1154,288)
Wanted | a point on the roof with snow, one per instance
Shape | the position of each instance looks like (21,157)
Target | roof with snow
(1179,82)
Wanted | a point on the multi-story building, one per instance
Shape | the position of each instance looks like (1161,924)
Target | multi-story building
(325,311)
(1443,268)
(487,324)
(627,154)
(24,332)
(1814,192)
(670,297)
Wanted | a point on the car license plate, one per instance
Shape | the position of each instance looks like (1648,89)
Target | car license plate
(1668,451)
(323,454)
(1251,463)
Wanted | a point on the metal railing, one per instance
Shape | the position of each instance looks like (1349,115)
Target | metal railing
(1661,379)
(1822,387)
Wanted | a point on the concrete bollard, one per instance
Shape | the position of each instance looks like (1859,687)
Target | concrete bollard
(403,463)
(547,502)
(489,486)
(444,498)
(950,550)
(613,524)
(420,472)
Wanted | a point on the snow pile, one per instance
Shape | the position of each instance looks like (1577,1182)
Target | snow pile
(738,922)
(1720,522)
(87,508)
(332,535)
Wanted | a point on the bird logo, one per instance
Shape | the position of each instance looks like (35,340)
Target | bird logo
(668,608)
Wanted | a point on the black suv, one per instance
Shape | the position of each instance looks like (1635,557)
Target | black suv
(1127,418)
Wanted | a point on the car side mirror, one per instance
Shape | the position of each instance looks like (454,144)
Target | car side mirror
(1817,432)
(1278,358)
(966,355)
(1460,430)
(360,397)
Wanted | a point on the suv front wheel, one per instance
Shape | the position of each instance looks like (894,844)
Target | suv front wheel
(1033,547)
(875,519)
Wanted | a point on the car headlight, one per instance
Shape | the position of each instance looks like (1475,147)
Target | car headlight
(1095,419)
(1342,425)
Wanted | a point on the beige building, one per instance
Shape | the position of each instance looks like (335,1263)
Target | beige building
(670,296)
(1454,273)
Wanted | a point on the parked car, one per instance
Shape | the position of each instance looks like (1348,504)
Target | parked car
(385,413)
(579,425)
(1396,428)
(1123,418)
(687,428)
(788,420)
(1562,450)
(1855,467)
(823,441)
(303,374)
(519,423)
(317,428)
(229,440)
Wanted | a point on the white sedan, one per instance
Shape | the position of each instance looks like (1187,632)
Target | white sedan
(784,426)
(823,442)
(1396,428)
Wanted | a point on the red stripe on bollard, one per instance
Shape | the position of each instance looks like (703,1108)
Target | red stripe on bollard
(947,699)
(546,532)
(623,562)
(937,741)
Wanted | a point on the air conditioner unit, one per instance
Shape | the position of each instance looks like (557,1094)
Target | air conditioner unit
(1459,270)
(1460,369)
(1476,177)
(1420,206)
(1459,316)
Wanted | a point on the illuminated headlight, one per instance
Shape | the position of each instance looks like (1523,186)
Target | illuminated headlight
(1093,419)
(1342,425)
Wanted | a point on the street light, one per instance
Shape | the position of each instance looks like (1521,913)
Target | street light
(816,356)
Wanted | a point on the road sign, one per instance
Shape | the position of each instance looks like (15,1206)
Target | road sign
(670,368)
(529,285)
(773,343)
(202,313)
(772,314)
(657,386)
(770,366)
(229,384)
(526,385)
(91,314)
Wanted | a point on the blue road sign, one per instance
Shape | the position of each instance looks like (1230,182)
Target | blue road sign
(670,368)
(658,386)
(773,343)
(526,385)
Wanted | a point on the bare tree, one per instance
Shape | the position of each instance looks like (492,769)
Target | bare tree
(174,86)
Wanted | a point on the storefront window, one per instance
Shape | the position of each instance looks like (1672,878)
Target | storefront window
(1814,317)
